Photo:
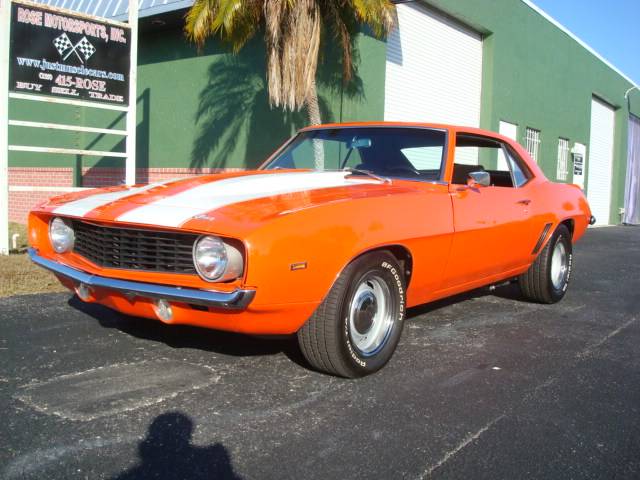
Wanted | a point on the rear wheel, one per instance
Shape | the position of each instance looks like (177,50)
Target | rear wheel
(355,330)
(547,279)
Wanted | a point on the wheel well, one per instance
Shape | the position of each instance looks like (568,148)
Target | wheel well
(403,256)
(570,224)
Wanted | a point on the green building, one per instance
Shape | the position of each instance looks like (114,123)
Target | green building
(502,65)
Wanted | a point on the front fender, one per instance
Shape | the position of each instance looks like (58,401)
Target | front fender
(296,258)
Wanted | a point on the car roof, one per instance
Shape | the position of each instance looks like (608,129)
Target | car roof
(440,126)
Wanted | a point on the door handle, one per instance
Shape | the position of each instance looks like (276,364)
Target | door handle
(526,201)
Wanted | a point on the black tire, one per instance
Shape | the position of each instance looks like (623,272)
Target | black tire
(327,338)
(537,283)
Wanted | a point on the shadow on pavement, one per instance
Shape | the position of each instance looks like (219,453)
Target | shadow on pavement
(234,344)
(167,453)
(510,291)
(184,336)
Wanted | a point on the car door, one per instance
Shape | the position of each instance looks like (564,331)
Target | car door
(493,225)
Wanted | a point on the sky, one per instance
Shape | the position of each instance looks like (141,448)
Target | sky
(610,27)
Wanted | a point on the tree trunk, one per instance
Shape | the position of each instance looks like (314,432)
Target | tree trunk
(313,110)
(313,106)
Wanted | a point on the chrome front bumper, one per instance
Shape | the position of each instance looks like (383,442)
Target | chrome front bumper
(235,300)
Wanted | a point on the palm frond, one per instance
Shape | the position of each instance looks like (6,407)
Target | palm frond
(274,12)
(199,20)
(293,42)
(236,21)
(340,20)
(380,15)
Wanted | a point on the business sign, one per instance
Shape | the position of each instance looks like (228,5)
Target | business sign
(68,55)
(579,153)
(578,164)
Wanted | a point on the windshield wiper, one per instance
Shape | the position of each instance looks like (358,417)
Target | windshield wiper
(358,171)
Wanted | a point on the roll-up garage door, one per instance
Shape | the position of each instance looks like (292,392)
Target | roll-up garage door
(433,69)
(600,160)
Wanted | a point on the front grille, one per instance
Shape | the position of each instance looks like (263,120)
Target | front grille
(135,249)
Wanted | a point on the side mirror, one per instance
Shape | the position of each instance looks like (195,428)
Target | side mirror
(480,178)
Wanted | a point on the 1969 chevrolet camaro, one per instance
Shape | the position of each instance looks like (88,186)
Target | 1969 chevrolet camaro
(332,239)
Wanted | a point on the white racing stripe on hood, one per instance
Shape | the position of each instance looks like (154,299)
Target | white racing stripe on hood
(79,208)
(175,210)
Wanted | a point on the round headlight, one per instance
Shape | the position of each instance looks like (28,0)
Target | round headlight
(61,235)
(210,257)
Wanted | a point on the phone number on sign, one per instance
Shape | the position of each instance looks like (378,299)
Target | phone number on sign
(81,83)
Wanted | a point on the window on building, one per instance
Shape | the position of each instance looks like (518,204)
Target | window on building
(533,143)
(563,159)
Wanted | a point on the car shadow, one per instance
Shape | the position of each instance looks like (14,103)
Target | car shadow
(185,336)
(235,344)
(509,291)
(167,453)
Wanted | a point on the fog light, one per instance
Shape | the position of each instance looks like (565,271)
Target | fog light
(84,292)
(163,310)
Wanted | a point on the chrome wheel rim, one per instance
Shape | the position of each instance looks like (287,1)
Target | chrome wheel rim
(559,267)
(370,315)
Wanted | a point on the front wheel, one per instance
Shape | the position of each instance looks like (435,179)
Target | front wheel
(547,279)
(355,330)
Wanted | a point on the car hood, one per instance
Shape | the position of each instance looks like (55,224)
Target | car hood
(239,197)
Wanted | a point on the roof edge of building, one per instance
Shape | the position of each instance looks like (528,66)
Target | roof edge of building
(156,9)
(581,42)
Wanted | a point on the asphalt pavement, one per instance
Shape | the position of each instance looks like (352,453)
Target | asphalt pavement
(484,385)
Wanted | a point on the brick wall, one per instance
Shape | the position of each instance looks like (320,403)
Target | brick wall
(102,177)
(21,200)
(40,177)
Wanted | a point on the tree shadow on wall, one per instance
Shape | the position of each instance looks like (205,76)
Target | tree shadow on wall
(234,113)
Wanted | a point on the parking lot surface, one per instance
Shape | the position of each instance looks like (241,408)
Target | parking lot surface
(483,385)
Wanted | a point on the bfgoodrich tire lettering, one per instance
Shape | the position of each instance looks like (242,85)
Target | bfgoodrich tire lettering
(547,279)
(356,329)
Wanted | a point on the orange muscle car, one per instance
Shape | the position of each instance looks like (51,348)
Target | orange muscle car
(333,238)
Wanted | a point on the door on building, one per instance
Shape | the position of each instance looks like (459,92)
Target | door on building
(600,161)
(632,184)
(433,69)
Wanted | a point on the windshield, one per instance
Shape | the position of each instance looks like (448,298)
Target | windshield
(414,153)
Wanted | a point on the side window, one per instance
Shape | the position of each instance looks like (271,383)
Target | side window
(521,174)
(505,168)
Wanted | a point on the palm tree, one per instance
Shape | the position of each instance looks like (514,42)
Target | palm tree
(293,34)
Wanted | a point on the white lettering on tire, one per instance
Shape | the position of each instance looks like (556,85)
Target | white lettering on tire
(353,354)
(398,282)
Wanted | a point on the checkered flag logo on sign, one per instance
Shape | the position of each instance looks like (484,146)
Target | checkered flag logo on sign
(85,48)
(62,43)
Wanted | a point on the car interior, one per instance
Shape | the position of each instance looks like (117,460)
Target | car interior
(488,150)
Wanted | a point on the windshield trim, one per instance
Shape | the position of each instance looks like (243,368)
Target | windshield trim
(445,147)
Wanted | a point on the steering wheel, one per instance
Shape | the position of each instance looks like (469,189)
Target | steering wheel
(403,168)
